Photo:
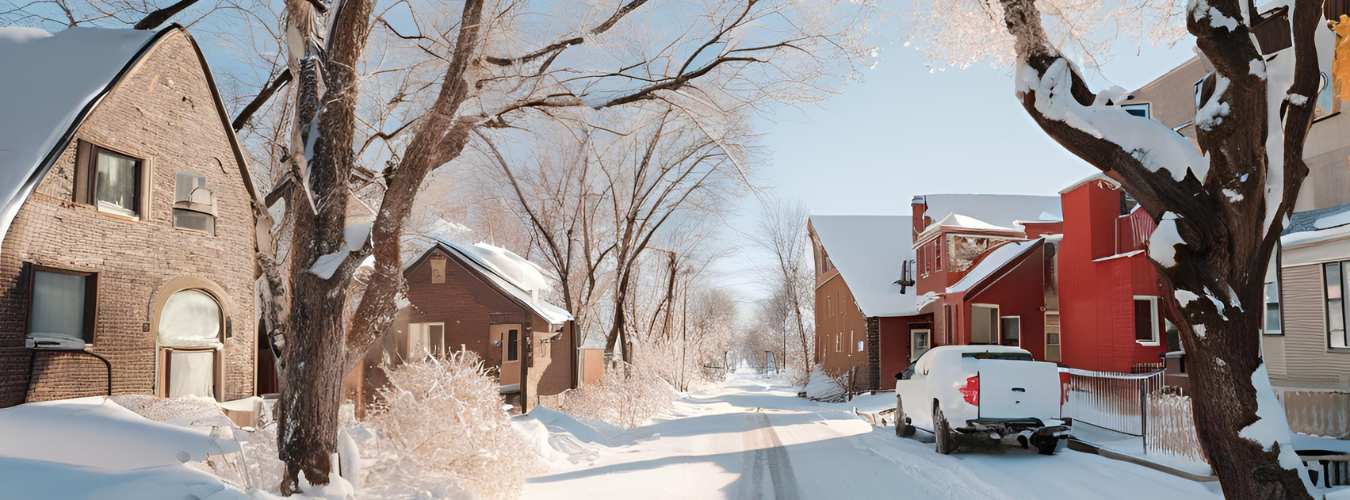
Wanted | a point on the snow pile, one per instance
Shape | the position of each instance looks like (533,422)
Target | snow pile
(822,387)
(1271,429)
(442,429)
(626,396)
(558,438)
(95,448)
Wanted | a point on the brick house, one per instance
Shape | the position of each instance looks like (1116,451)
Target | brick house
(477,298)
(865,314)
(127,261)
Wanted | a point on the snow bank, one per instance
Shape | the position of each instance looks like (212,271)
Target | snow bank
(97,432)
(41,479)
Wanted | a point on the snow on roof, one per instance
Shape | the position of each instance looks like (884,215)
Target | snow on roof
(1315,226)
(1097,176)
(992,262)
(961,221)
(51,83)
(870,252)
(1002,210)
(510,272)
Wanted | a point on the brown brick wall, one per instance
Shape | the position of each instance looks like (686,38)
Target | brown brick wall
(838,317)
(162,111)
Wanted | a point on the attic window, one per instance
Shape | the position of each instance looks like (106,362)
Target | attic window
(112,182)
(1140,110)
(194,206)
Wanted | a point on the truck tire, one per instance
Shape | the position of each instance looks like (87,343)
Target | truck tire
(942,433)
(1046,445)
(902,427)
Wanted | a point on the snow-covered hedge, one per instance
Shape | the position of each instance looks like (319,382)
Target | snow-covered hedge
(443,423)
(626,396)
(822,387)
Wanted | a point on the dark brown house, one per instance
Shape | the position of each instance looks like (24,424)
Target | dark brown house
(126,212)
(485,300)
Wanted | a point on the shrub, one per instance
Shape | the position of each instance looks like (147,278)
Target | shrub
(446,419)
(626,396)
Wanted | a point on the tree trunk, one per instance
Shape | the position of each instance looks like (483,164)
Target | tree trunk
(311,385)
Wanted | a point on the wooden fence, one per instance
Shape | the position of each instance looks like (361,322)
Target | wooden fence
(1171,427)
(1318,413)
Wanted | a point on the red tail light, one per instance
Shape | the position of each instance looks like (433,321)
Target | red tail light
(971,392)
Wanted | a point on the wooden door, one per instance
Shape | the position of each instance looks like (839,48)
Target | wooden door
(510,340)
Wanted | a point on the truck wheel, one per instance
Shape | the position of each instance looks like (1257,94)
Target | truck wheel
(902,427)
(1047,445)
(942,433)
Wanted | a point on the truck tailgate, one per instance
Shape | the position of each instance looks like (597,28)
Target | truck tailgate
(1018,389)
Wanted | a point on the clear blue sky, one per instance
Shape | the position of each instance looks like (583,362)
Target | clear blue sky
(904,131)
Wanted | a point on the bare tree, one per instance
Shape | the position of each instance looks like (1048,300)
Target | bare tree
(782,233)
(328,58)
(1220,207)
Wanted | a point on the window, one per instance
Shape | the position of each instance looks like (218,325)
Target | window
(194,207)
(1273,309)
(1011,329)
(188,338)
(1052,339)
(1146,320)
(850,340)
(919,343)
(425,339)
(1199,86)
(838,342)
(1140,110)
(110,181)
(1335,299)
(937,255)
(513,345)
(61,309)
(950,325)
(861,347)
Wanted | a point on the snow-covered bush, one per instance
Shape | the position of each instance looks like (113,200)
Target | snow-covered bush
(443,421)
(626,396)
(822,387)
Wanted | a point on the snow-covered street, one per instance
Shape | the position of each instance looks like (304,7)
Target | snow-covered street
(753,438)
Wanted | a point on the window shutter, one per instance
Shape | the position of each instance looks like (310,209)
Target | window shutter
(83,177)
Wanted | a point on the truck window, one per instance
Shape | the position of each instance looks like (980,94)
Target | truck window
(1011,356)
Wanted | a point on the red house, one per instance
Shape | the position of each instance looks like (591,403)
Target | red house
(1109,308)
(988,279)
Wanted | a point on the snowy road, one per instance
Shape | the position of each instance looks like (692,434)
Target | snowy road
(750,439)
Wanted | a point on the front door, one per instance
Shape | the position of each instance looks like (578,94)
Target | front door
(508,337)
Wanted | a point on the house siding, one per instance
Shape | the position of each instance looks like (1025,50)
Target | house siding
(1310,364)
(162,111)
(845,319)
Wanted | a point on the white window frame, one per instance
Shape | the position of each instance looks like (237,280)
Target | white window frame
(420,330)
(1153,309)
(1019,329)
(1148,110)
(1060,334)
(914,354)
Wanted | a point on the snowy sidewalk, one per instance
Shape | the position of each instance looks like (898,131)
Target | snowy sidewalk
(752,438)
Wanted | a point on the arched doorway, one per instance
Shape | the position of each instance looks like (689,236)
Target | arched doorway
(189,340)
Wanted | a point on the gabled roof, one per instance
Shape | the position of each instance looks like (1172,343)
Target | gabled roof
(994,264)
(51,83)
(494,275)
(870,252)
(1001,210)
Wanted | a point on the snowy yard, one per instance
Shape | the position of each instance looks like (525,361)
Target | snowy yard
(753,438)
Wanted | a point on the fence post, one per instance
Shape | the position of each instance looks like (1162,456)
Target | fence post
(1143,411)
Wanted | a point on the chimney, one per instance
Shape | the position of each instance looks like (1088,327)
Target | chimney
(919,206)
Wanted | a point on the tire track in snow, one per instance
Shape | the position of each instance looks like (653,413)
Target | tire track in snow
(765,458)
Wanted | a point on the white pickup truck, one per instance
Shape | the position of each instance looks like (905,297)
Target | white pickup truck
(981,392)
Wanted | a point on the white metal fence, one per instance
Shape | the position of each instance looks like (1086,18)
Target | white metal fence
(1134,404)
(1114,401)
